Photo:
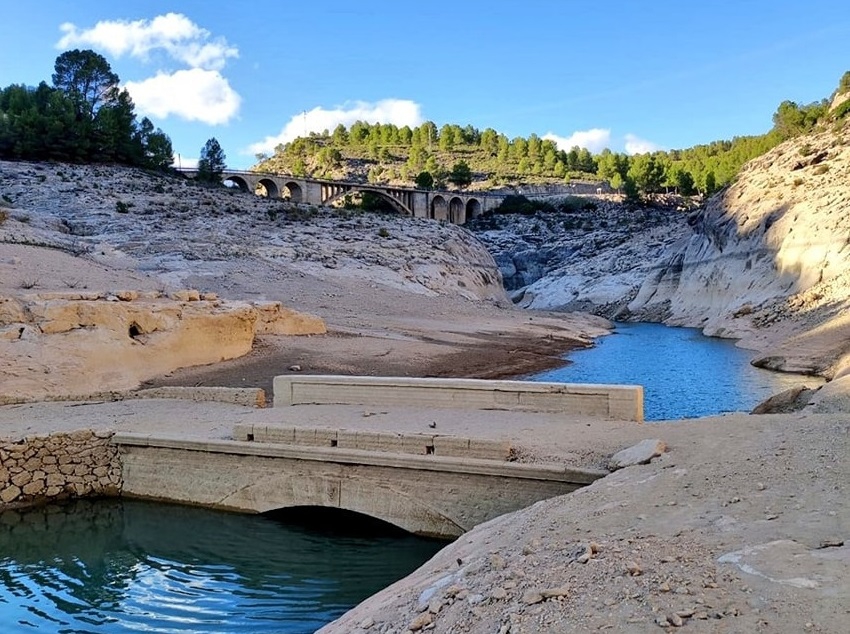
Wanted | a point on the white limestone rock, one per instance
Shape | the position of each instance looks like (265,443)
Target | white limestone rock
(641,453)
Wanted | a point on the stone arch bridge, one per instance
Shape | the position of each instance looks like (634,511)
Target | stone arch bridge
(451,206)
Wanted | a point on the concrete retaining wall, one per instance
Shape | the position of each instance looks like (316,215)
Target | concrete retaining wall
(619,402)
(365,440)
(249,397)
(58,466)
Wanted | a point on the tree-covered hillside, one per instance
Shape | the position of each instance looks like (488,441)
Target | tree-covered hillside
(428,156)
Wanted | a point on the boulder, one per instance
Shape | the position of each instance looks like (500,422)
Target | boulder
(791,400)
(641,453)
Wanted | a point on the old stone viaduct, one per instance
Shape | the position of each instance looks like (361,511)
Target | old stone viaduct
(437,484)
(451,206)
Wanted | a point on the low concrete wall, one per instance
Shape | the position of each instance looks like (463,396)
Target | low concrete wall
(619,402)
(427,495)
(391,442)
(247,396)
(58,466)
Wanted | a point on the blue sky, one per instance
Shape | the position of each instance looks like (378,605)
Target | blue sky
(624,74)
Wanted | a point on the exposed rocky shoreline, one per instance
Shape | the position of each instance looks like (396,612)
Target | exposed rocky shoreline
(765,261)
(740,526)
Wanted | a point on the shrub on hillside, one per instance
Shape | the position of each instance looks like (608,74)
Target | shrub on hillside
(515,204)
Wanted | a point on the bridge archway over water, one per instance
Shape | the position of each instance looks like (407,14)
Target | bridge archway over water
(334,521)
(473,209)
(422,494)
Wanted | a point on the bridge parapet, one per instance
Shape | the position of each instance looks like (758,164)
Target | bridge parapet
(368,440)
(617,402)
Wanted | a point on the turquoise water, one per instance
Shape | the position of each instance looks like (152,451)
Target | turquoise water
(132,566)
(683,373)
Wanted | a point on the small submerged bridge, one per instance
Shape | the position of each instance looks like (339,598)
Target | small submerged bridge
(428,481)
(451,206)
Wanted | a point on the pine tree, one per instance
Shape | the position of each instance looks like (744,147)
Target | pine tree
(211,164)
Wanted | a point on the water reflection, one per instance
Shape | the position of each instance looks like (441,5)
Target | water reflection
(684,374)
(126,566)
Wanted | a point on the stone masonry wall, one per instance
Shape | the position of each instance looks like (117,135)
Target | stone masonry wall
(40,469)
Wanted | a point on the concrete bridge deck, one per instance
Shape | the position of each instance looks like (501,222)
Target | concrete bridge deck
(426,494)
(437,464)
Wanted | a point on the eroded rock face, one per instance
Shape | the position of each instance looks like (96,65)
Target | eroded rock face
(180,231)
(771,251)
(74,344)
(593,259)
(767,260)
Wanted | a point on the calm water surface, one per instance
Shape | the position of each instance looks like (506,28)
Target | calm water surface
(683,373)
(131,566)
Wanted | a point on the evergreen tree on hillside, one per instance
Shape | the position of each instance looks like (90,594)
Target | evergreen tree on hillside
(87,78)
(461,174)
(424,180)
(211,164)
(402,153)
(83,117)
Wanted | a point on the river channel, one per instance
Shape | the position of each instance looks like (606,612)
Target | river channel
(684,373)
(133,566)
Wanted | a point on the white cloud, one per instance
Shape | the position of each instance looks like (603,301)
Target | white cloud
(173,33)
(400,112)
(636,145)
(186,162)
(194,95)
(595,139)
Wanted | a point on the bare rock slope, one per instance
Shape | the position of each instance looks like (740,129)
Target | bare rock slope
(769,254)
(765,260)
(72,236)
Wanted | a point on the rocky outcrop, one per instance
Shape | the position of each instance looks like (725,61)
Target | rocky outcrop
(179,231)
(74,344)
(766,260)
(58,466)
(771,252)
(593,259)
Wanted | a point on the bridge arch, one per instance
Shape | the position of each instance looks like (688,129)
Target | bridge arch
(396,204)
(457,211)
(296,193)
(439,208)
(331,519)
(237,181)
(367,498)
(269,186)
(473,208)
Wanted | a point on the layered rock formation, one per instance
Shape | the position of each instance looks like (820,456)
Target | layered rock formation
(769,253)
(764,261)
(73,344)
